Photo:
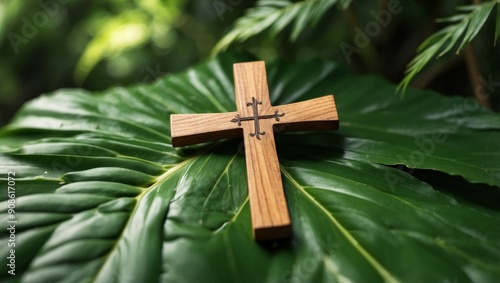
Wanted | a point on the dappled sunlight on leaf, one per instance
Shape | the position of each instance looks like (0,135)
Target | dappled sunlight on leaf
(114,34)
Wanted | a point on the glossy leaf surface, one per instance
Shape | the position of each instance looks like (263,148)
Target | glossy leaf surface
(101,196)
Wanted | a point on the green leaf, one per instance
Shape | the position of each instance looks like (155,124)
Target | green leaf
(275,16)
(101,196)
(465,27)
(121,29)
(477,20)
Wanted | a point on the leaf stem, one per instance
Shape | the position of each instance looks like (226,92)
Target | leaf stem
(425,78)
(474,72)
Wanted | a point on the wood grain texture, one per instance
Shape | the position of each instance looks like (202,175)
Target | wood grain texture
(189,129)
(319,114)
(270,218)
(257,120)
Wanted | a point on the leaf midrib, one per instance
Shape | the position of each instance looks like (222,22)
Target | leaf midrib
(139,197)
(350,238)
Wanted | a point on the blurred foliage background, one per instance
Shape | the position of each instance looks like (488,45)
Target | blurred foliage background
(50,44)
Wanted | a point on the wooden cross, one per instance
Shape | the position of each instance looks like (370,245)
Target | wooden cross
(256,121)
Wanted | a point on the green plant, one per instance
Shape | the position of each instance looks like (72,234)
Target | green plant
(113,43)
(126,27)
(274,17)
(462,29)
(101,196)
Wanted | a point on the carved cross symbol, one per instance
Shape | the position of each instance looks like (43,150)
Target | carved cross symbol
(256,117)
(270,218)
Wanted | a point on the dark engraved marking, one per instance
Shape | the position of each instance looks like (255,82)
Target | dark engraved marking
(238,119)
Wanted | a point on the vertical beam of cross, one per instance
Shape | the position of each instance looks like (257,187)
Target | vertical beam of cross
(254,120)
(265,187)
